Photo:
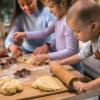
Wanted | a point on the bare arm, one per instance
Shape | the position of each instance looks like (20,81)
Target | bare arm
(81,86)
(71,60)
(94,84)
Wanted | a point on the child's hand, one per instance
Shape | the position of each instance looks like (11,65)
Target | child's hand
(15,50)
(80,86)
(18,36)
(39,59)
(41,50)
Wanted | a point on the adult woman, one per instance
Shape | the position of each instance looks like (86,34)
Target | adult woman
(29,15)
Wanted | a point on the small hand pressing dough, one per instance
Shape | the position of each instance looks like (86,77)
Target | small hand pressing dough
(10,86)
(48,84)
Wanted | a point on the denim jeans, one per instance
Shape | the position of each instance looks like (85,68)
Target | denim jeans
(79,67)
(25,51)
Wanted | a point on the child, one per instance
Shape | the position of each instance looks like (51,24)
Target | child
(84,18)
(66,43)
(29,15)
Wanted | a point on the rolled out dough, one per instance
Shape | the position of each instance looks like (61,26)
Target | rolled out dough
(48,84)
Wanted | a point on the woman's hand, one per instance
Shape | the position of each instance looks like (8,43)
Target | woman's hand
(15,50)
(42,49)
(39,59)
(18,36)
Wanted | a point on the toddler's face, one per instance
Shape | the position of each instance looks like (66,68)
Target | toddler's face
(28,6)
(81,32)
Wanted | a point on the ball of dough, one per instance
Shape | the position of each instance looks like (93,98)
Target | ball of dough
(3,80)
(10,86)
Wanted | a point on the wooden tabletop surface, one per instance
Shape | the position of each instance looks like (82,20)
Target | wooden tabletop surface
(65,95)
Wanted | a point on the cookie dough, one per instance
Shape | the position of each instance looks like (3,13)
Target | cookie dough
(48,84)
(10,86)
(26,59)
(29,59)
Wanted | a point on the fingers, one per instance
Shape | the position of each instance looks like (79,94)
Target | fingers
(79,86)
(18,36)
(37,62)
(37,51)
(14,37)
(16,52)
(41,50)
(39,59)
(19,53)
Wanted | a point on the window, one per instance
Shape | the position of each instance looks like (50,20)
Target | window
(5,10)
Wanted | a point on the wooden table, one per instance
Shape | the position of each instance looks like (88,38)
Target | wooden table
(66,95)
(71,96)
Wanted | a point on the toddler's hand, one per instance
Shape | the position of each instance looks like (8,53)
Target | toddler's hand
(80,86)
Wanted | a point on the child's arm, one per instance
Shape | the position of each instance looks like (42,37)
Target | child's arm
(67,45)
(41,34)
(94,84)
(71,60)
(80,86)
(83,54)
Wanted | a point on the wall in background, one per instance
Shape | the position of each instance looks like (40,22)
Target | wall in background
(5,9)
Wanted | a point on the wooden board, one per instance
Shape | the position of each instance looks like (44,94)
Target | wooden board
(37,71)
(30,92)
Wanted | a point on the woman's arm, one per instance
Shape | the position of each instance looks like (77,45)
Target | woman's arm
(15,28)
(9,41)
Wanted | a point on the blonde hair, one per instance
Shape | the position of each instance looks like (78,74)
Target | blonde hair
(85,11)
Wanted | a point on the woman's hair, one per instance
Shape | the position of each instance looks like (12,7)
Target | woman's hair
(17,11)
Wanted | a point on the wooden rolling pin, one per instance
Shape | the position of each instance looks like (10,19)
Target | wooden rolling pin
(64,75)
